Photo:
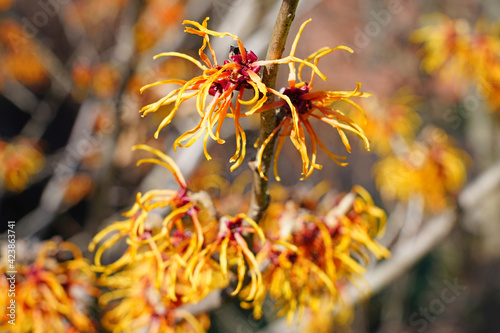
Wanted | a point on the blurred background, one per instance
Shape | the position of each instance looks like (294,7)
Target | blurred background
(70,74)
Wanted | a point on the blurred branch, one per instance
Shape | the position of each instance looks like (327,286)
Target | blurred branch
(42,112)
(485,183)
(20,96)
(64,169)
(412,221)
(51,202)
(81,42)
(406,256)
(124,56)
(430,236)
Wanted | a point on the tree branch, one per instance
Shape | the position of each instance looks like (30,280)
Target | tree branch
(260,195)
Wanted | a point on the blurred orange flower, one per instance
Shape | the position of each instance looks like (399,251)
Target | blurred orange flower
(431,168)
(5,4)
(105,80)
(78,187)
(446,46)
(53,293)
(82,74)
(19,161)
(390,121)
(454,49)
(155,19)
(21,60)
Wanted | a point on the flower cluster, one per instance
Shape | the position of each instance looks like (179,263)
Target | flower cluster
(214,91)
(233,249)
(455,49)
(179,251)
(19,161)
(430,167)
(147,232)
(187,252)
(52,293)
(312,253)
(219,81)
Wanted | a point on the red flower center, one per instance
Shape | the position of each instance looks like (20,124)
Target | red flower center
(238,77)
(301,105)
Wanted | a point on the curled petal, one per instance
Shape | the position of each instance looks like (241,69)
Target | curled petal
(181,55)
(165,161)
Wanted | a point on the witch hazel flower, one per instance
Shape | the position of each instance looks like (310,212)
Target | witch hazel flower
(149,235)
(330,245)
(214,91)
(299,103)
(215,88)
(233,252)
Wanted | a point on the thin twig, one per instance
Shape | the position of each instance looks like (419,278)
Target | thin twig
(260,195)
(53,193)
(127,60)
